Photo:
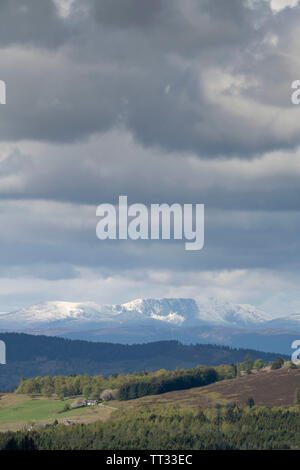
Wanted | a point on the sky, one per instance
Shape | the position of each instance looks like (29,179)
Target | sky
(163,101)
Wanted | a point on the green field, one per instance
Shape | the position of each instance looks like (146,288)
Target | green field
(17,411)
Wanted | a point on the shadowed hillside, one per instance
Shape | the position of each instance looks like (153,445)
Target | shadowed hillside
(30,356)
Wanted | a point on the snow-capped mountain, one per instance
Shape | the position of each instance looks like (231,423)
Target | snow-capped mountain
(169,311)
(175,312)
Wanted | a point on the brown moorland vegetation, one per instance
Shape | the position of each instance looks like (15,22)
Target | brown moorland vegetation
(267,388)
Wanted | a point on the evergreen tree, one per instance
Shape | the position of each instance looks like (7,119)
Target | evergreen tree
(250,402)
(277,364)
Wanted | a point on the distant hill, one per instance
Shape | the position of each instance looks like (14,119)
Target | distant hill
(31,356)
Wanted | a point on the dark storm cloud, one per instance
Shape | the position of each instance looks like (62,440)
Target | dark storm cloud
(56,101)
(146,67)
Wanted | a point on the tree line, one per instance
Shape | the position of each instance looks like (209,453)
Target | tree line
(125,387)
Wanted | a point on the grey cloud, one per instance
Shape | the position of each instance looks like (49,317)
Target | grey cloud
(39,271)
(131,12)
(31,22)
(106,75)
(101,169)
(45,232)
(51,99)
(187,28)
(139,98)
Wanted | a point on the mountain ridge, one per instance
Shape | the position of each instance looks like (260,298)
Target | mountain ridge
(142,320)
(175,311)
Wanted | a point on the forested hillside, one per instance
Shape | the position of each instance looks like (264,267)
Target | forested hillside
(155,428)
(31,356)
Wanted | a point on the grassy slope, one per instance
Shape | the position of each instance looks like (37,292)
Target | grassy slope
(16,411)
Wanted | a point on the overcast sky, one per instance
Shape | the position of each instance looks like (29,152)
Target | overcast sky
(164,101)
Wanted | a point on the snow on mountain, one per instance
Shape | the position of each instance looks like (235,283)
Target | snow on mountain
(187,311)
(176,311)
(169,311)
(48,312)
(213,311)
(171,318)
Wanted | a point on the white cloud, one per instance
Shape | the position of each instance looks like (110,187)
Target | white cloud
(63,7)
(278,5)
